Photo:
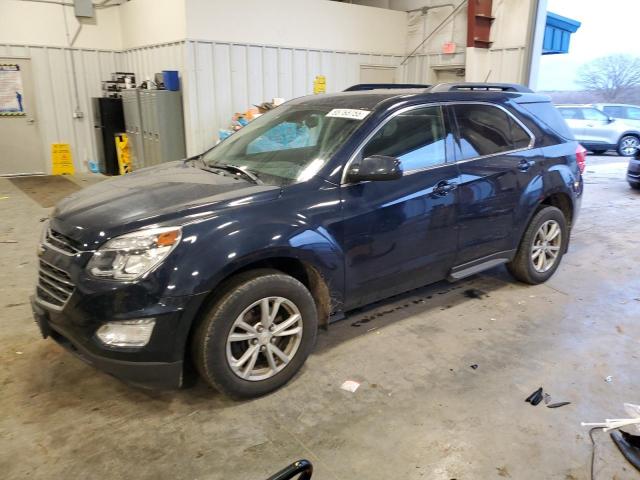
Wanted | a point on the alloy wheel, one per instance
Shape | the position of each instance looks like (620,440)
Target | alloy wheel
(546,246)
(629,145)
(264,338)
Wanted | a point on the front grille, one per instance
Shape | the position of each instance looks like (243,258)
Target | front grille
(60,242)
(54,285)
(634,175)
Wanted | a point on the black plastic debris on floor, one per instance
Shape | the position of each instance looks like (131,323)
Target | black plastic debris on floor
(474,366)
(538,395)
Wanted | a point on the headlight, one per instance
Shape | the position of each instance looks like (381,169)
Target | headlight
(128,333)
(130,256)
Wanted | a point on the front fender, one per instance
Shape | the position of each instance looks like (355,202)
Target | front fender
(292,227)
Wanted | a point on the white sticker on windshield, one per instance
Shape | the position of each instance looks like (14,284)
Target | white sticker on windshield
(349,113)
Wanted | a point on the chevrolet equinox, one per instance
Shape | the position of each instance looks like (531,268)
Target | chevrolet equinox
(230,261)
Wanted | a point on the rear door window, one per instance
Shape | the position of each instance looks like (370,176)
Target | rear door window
(487,130)
(416,138)
(614,111)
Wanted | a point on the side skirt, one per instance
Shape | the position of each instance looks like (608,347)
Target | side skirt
(480,264)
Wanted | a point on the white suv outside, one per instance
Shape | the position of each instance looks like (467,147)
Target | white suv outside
(599,132)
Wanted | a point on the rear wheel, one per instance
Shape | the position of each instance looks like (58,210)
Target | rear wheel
(542,247)
(628,145)
(256,337)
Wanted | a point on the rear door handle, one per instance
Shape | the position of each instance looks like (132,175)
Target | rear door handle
(525,164)
(444,187)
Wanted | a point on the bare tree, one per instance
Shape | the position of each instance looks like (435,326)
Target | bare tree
(610,77)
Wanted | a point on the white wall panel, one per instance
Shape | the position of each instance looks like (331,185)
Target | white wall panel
(224,78)
(55,95)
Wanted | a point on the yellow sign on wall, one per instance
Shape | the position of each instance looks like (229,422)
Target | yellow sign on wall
(124,155)
(61,159)
(320,84)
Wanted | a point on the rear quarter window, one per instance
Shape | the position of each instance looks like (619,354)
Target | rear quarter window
(549,115)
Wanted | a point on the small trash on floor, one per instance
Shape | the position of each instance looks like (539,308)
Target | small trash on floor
(350,386)
(3,198)
(474,366)
(608,379)
(535,398)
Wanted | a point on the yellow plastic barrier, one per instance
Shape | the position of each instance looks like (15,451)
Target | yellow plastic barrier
(124,154)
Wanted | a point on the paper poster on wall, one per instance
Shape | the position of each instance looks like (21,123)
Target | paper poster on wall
(11,101)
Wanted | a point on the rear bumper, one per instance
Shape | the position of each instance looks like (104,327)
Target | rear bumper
(138,368)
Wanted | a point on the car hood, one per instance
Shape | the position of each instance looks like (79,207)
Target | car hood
(174,192)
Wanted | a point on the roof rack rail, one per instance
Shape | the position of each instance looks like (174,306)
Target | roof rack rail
(375,86)
(487,87)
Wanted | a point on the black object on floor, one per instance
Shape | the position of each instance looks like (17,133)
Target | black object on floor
(304,468)
(535,398)
(629,446)
(558,405)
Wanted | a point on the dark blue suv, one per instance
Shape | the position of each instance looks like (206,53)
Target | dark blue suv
(231,260)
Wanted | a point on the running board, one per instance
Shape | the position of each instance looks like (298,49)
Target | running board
(480,264)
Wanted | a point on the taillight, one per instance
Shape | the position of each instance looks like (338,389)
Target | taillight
(581,157)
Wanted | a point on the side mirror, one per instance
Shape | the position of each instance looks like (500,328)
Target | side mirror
(610,119)
(375,168)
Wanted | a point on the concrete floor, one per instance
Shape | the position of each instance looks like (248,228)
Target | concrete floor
(420,412)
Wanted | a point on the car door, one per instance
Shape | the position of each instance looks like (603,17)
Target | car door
(598,128)
(496,164)
(400,234)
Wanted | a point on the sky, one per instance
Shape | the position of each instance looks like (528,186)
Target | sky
(608,27)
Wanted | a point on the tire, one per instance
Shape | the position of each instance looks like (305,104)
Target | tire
(598,152)
(213,349)
(522,266)
(634,185)
(628,145)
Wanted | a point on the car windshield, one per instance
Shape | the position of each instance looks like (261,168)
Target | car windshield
(288,144)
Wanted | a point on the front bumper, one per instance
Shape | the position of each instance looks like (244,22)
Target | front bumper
(158,365)
(633,172)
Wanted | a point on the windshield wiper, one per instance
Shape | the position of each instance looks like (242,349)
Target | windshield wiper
(236,169)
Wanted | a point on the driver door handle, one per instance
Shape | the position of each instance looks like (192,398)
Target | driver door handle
(444,187)
(525,164)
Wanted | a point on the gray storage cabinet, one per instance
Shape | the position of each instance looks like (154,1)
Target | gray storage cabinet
(133,124)
(155,124)
(162,126)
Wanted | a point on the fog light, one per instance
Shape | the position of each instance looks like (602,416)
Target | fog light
(128,333)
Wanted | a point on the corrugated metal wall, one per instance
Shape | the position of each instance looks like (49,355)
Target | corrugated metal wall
(146,61)
(223,78)
(218,79)
(55,98)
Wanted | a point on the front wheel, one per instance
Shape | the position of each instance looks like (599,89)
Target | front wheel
(258,334)
(628,145)
(541,248)
(634,185)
